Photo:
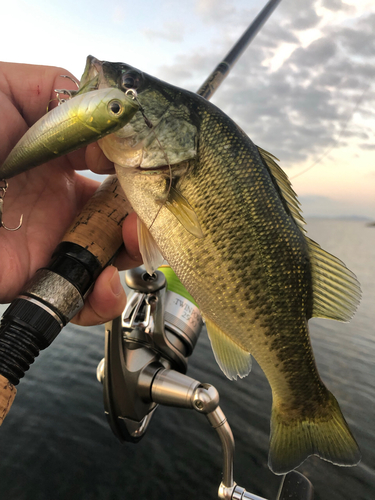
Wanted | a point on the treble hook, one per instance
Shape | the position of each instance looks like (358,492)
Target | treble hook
(3,190)
(72,79)
(133,93)
(69,93)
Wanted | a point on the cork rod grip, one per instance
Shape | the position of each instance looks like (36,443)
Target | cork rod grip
(98,227)
(7,395)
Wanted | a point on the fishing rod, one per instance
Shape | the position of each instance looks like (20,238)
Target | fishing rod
(57,292)
(209,87)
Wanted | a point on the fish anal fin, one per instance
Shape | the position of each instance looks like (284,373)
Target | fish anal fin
(326,434)
(232,359)
(336,290)
(182,210)
(152,258)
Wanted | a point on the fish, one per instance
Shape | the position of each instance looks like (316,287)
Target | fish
(75,123)
(223,214)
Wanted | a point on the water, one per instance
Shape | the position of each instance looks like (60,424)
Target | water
(56,445)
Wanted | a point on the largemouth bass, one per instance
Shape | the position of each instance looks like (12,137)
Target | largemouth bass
(76,123)
(229,224)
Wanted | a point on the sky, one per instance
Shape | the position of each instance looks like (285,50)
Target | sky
(303,90)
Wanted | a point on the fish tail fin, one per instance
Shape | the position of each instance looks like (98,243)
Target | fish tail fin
(325,434)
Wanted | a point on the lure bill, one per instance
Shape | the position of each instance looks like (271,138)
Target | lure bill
(75,123)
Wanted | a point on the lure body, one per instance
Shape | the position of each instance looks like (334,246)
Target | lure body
(75,123)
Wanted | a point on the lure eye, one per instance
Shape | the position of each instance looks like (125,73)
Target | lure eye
(115,108)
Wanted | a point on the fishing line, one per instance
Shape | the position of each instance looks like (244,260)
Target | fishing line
(170,177)
(149,124)
(329,149)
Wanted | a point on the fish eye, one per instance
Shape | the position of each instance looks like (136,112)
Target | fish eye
(115,107)
(130,80)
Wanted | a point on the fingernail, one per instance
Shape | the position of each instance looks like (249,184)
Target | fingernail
(115,283)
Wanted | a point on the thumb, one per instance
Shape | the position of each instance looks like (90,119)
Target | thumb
(106,301)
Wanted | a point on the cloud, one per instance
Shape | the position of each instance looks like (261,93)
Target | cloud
(306,105)
(212,11)
(337,5)
(297,16)
(316,55)
(172,32)
(368,147)
(217,11)
(189,71)
(359,40)
(305,20)
(272,35)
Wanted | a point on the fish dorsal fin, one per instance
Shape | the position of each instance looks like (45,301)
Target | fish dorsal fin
(182,210)
(152,258)
(232,359)
(284,185)
(336,290)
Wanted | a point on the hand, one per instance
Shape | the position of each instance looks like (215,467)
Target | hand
(49,196)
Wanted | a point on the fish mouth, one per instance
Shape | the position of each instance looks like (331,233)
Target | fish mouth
(92,75)
(98,75)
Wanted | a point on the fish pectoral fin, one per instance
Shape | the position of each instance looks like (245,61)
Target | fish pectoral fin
(285,187)
(232,359)
(325,433)
(182,210)
(152,258)
(336,290)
